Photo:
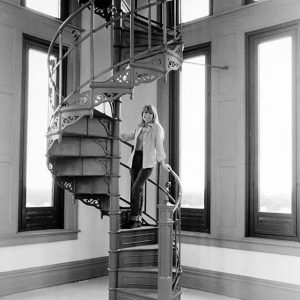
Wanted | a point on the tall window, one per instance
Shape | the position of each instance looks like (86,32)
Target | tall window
(272,133)
(54,8)
(193,152)
(41,199)
(194,9)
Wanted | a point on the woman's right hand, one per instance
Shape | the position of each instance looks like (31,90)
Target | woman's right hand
(167,167)
(122,136)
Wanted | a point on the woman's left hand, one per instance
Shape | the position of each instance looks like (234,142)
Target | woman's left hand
(167,167)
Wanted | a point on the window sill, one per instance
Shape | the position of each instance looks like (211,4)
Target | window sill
(281,247)
(37,237)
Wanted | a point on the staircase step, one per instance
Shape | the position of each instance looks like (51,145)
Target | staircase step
(142,256)
(144,278)
(118,87)
(145,235)
(141,294)
(80,166)
(85,184)
(81,146)
(140,277)
(94,127)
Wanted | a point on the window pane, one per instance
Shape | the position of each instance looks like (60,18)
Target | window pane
(38,178)
(49,7)
(194,9)
(275,125)
(192,129)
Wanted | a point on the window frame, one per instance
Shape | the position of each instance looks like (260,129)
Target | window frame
(267,224)
(193,219)
(36,218)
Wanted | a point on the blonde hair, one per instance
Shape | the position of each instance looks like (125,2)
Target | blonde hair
(150,108)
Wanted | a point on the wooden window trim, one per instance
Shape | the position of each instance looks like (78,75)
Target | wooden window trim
(196,220)
(36,218)
(264,224)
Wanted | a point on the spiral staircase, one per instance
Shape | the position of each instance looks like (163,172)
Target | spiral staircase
(83,145)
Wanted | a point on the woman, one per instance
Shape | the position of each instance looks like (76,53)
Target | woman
(148,149)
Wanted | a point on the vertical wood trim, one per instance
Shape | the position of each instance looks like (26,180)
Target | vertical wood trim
(174,92)
(254,217)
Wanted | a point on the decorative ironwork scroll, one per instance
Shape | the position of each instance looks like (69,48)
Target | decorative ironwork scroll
(105,164)
(122,77)
(103,8)
(107,125)
(91,202)
(68,120)
(144,77)
(104,145)
(82,99)
(65,183)
(100,97)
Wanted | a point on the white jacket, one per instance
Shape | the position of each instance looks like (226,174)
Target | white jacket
(153,149)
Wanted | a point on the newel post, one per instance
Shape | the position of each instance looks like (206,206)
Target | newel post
(165,247)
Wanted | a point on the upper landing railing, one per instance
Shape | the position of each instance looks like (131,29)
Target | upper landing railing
(87,39)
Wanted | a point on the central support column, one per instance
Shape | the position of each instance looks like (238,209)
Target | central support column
(114,214)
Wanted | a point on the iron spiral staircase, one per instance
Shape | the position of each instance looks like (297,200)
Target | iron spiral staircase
(83,144)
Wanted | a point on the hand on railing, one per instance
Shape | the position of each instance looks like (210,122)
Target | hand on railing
(167,167)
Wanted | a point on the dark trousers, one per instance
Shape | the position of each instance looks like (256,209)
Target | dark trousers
(138,178)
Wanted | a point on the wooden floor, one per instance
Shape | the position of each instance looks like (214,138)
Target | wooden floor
(94,289)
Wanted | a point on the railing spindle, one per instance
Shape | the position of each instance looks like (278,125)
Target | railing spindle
(157,187)
(175,18)
(164,15)
(145,197)
(149,27)
(92,41)
(60,67)
(132,3)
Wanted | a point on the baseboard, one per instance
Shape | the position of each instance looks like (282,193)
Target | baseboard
(34,278)
(240,287)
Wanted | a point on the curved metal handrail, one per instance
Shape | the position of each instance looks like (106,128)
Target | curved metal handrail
(179,184)
(56,35)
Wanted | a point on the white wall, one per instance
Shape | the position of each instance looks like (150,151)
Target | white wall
(93,237)
(92,242)
(281,268)
(226,31)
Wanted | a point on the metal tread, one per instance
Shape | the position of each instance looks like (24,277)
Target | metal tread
(140,248)
(149,269)
(139,229)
